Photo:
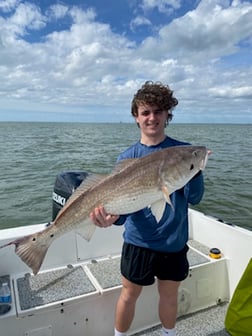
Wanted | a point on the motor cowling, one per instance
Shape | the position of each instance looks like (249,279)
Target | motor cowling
(65,184)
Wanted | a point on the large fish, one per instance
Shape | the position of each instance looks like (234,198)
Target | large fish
(133,185)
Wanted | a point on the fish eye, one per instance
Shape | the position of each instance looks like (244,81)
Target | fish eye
(191,167)
(195,153)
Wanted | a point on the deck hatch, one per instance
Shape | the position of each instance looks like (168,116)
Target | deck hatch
(107,272)
(53,286)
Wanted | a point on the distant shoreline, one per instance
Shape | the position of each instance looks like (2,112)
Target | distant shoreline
(117,122)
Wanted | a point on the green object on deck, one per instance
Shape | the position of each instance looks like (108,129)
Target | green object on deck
(238,321)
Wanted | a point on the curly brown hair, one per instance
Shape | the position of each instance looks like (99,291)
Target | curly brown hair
(154,94)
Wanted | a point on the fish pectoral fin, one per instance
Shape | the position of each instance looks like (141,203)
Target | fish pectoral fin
(157,209)
(86,230)
(167,196)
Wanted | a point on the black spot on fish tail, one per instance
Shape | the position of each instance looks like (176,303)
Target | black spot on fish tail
(30,250)
(192,166)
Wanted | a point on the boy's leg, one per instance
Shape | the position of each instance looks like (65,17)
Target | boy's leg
(125,308)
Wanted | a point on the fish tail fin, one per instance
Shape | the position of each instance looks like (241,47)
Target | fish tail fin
(31,250)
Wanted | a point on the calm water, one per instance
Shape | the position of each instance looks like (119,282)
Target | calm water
(32,154)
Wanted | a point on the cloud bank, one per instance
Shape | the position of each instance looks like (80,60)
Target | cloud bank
(65,61)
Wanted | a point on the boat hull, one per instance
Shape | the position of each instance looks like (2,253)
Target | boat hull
(76,290)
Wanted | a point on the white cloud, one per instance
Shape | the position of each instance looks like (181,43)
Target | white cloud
(209,31)
(79,16)
(57,11)
(7,5)
(89,65)
(163,6)
(56,69)
(237,92)
(139,21)
(27,16)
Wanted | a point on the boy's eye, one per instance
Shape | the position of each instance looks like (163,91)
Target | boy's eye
(147,113)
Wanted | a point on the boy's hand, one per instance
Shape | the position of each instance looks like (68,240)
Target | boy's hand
(101,218)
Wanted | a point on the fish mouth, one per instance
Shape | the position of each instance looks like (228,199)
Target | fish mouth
(204,161)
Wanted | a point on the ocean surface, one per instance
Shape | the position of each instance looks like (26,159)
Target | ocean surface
(32,154)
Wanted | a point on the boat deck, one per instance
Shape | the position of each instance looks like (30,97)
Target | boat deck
(95,282)
(93,277)
(208,322)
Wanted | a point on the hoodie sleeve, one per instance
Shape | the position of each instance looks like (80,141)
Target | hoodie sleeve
(120,220)
(194,189)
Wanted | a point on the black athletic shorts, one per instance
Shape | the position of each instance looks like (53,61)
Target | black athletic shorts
(141,265)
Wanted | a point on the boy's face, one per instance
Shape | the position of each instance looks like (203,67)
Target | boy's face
(151,120)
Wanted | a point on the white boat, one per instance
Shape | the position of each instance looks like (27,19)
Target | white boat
(77,287)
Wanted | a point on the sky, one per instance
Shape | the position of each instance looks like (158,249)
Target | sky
(83,60)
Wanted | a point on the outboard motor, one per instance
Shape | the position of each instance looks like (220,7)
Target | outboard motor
(65,185)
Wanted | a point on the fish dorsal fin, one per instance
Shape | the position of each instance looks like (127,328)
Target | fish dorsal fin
(89,182)
(158,208)
(123,164)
